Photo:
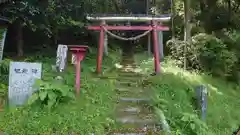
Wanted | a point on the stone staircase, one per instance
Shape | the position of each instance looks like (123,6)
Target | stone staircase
(133,114)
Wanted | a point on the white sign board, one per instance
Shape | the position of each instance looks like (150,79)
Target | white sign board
(22,76)
(2,41)
(61,57)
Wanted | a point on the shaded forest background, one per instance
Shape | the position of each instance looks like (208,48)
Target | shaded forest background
(203,33)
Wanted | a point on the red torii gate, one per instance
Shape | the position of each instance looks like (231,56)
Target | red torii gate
(153,26)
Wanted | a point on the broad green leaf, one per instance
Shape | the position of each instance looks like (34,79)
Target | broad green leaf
(33,98)
(51,102)
(64,91)
(52,95)
(192,125)
(184,118)
(43,95)
(71,95)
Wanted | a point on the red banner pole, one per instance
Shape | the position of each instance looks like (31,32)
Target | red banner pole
(100,49)
(155,47)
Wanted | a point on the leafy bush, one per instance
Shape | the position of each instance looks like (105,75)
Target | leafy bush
(206,53)
(4,71)
(174,97)
(91,112)
(3,90)
(232,39)
(51,94)
(3,94)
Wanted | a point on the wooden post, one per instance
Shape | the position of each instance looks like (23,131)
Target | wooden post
(105,41)
(160,40)
(100,49)
(155,47)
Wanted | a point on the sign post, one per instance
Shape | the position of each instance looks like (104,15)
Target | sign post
(22,76)
(61,57)
(201,92)
(79,52)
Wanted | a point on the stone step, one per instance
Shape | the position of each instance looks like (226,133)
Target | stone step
(138,97)
(133,110)
(123,81)
(108,77)
(139,100)
(129,134)
(127,89)
(129,74)
(136,131)
(128,83)
(136,120)
(129,79)
(133,93)
(124,89)
(132,70)
(140,115)
(145,107)
(128,128)
(139,133)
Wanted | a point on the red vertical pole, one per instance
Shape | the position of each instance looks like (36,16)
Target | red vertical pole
(78,72)
(155,47)
(100,48)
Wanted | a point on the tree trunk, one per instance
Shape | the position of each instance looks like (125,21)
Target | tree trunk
(187,17)
(173,16)
(187,30)
(229,11)
(19,37)
(55,35)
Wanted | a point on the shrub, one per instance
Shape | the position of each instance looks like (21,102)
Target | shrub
(4,71)
(232,39)
(206,53)
(3,94)
(51,94)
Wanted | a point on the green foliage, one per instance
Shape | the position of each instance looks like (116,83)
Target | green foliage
(91,112)
(3,91)
(4,71)
(232,39)
(174,94)
(51,94)
(213,55)
(4,66)
(206,53)
(176,105)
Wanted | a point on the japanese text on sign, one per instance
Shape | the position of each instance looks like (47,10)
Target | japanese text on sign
(21,78)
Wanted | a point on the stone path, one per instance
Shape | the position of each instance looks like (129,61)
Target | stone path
(133,114)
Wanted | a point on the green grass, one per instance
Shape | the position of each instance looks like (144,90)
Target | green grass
(91,112)
(174,93)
